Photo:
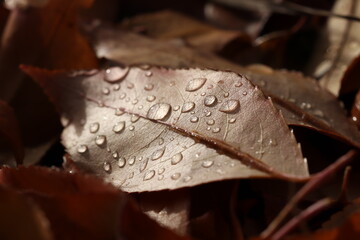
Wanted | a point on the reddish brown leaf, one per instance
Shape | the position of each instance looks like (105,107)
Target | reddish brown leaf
(21,219)
(301,99)
(200,126)
(9,130)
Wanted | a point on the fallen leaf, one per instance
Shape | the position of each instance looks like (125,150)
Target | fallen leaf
(18,212)
(201,126)
(9,130)
(297,96)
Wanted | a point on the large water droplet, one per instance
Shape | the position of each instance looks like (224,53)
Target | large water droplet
(207,163)
(230,106)
(100,140)
(132,160)
(121,162)
(175,176)
(94,127)
(187,107)
(149,175)
(195,84)
(210,100)
(149,87)
(118,127)
(115,74)
(176,158)
(134,118)
(158,153)
(107,167)
(159,111)
(194,119)
(82,149)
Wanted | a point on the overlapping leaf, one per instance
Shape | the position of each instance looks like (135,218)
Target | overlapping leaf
(165,129)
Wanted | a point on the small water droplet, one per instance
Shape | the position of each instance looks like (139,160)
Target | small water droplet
(107,167)
(130,85)
(172,83)
(161,171)
(82,149)
(175,176)
(238,84)
(116,87)
(144,165)
(203,94)
(149,175)
(187,178)
(176,158)
(161,141)
(354,119)
(226,94)
(177,107)
(101,104)
(121,162)
(207,163)
(187,107)
(132,160)
(318,113)
(158,154)
(244,93)
(131,128)
(230,106)
(148,74)
(115,74)
(122,96)
(194,119)
(150,98)
(208,114)
(210,122)
(232,120)
(134,118)
(195,84)
(94,127)
(118,127)
(131,175)
(106,91)
(100,140)
(159,111)
(308,106)
(149,87)
(135,101)
(140,107)
(210,100)
(161,177)
(208,128)
(210,86)
(197,155)
(119,112)
(115,155)
(216,130)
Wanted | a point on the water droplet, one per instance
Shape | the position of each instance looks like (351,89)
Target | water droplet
(187,178)
(158,154)
(148,74)
(230,106)
(207,163)
(149,87)
(140,107)
(175,176)
(210,86)
(161,177)
(106,91)
(159,111)
(134,118)
(161,141)
(121,162)
(135,101)
(94,127)
(197,155)
(150,98)
(131,128)
(216,130)
(130,85)
(232,120)
(187,107)
(176,158)
(238,84)
(132,160)
(221,82)
(131,175)
(244,93)
(118,127)
(161,171)
(203,94)
(65,121)
(354,119)
(208,128)
(318,113)
(226,94)
(149,175)
(119,112)
(107,167)
(144,165)
(194,119)
(172,83)
(195,84)
(82,149)
(210,100)
(115,74)
(115,155)
(208,114)
(210,122)
(100,140)
(177,107)
(122,96)
(116,87)
(308,106)
(101,104)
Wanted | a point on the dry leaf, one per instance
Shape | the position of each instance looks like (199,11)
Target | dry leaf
(296,95)
(200,126)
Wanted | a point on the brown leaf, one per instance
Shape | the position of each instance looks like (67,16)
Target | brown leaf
(18,212)
(200,126)
(81,206)
(169,25)
(9,130)
(297,96)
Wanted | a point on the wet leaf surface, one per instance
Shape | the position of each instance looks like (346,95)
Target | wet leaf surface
(201,126)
